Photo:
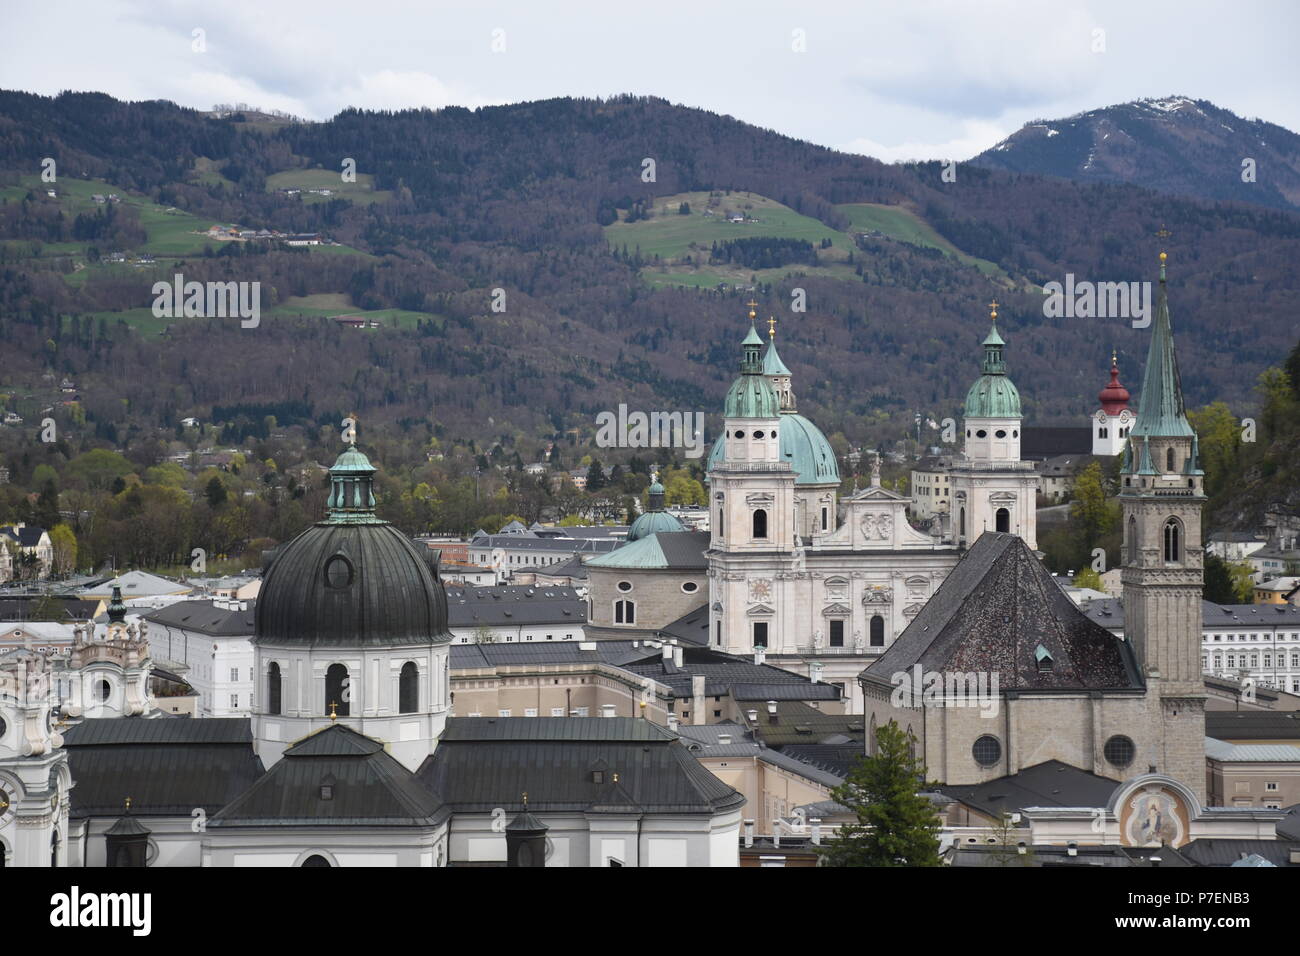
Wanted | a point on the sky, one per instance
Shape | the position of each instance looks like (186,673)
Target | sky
(909,80)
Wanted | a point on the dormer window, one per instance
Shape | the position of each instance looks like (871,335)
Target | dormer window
(1043,659)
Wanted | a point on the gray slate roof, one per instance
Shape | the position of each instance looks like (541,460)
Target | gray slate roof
(206,618)
(514,605)
(485,763)
(992,612)
(1109,613)
(166,767)
(1231,852)
(1050,784)
(367,787)
(1252,725)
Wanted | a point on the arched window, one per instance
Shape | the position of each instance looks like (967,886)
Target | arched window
(1173,546)
(105,690)
(316,860)
(871,736)
(273,688)
(408,689)
(624,612)
(962,523)
(1003,520)
(877,631)
(760,523)
(824,519)
(338,691)
(1169,461)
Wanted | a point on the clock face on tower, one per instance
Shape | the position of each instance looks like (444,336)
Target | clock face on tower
(1101,417)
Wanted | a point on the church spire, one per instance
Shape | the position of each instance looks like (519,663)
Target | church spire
(1161,413)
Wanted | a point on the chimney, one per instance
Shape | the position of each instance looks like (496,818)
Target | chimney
(771,711)
(776,837)
(752,715)
(673,721)
(724,739)
(815,671)
(760,655)
(749,833)
(698,685)
(1073,848)
(677,655)
(816,830)
(607,710)
(668,652)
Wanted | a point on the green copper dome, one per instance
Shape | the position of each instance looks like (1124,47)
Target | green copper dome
(751,395)
(993,395)
(653,522)
(654,519)
(804,446)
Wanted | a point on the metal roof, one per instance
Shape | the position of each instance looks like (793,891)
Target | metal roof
(166,767)
(1049,784)
(668,550)
(513,605)
(567,768)
(335,777)
(206,617)
(1225,752)
(1252,724)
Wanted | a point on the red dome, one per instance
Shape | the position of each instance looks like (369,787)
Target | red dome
(1114,397)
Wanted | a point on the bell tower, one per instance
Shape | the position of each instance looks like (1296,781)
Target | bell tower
(1162,494)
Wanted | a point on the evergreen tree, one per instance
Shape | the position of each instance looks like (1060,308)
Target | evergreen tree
(896,825)
(1218,581)
(216,492)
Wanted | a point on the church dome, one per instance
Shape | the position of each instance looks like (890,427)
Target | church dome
(1114,397)
(993,395)
(804,446)
(654,519)
(751,395)
(352,580)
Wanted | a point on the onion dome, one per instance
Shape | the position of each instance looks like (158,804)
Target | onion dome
(655,519)
(352,580)
(993,395)
(751,395)
(1114,397)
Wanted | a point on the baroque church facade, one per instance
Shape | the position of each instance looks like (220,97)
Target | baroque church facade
(822,586)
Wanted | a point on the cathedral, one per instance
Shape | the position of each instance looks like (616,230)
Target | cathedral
(822,586)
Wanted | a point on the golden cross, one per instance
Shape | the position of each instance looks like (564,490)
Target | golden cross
(525,799)
(128,803)
(752,306)
(334,710)
(1163,233)
(771,327)
(993,309)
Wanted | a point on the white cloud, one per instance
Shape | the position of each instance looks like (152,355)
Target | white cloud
(404,89)
(976,136)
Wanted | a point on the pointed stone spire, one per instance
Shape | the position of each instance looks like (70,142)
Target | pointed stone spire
(1161,413)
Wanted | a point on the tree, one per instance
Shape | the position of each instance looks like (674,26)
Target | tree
(64,543)
(896,825)
(684,209)
(215,492)
(1088,578)
(1218,581)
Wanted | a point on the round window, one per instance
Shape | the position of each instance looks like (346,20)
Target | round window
(1119,751)
(3,728)
(1000,433)
(1015,433)
(981,434)
(338,572)
(773,435)
(740,434)
(987,751)
(625,586)
(690,587)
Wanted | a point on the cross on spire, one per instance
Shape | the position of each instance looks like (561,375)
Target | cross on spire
(771,327)
(993,310)
(334,714)
(752,306)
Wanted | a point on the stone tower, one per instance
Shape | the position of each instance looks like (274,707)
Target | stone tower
(992,489)
(752,496)
(1162,496)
